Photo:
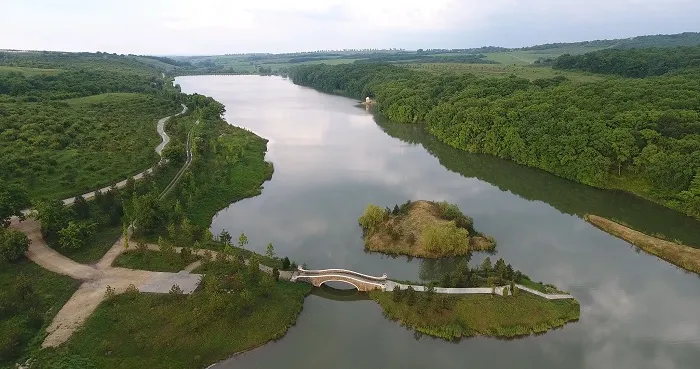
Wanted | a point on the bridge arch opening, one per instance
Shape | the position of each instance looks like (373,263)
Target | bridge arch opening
(339,285)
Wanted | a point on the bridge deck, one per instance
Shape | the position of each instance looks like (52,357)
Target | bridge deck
(365,282)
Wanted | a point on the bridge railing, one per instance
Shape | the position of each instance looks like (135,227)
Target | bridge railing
(341,271)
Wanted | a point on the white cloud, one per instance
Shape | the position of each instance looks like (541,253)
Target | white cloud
(221,26)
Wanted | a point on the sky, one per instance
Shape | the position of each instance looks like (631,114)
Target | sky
(205,27)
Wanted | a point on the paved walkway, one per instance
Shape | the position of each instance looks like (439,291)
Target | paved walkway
(95,281)
(366,283)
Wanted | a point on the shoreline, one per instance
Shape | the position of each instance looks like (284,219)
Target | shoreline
(682,256)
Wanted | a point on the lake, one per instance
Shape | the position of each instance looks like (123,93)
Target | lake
(332,157)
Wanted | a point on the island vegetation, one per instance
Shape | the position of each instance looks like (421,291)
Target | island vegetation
(423,229)
(676,253)
(452,317)
(508,314)
(635,134)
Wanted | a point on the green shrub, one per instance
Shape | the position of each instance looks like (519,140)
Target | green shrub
(372,217)
(13,244)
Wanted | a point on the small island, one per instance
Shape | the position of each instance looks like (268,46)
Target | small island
(492,300)
(423,229)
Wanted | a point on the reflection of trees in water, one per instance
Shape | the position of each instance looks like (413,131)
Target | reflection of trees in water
(564,195)
(435,269)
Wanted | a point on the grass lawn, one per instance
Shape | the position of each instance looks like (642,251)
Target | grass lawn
(480,315)
(23,320)
(152,260)
(176,331)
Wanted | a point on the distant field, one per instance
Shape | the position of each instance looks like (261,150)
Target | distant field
(530,56)
(499,70)
(156,63)
(29,71)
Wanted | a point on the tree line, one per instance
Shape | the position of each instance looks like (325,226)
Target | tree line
(636,63)
(640,135)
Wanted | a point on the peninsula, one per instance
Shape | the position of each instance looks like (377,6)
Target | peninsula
(422,228)
(683,256)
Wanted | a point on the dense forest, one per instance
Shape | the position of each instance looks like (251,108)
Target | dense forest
(640,135)
(635,63)
(78,128)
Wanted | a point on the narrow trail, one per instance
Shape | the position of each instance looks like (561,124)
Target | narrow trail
(165,139)
(182,170)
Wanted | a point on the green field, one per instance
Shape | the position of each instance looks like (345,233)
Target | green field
(521,57)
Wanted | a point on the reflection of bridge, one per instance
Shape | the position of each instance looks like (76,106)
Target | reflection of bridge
(360,281)
(364,282)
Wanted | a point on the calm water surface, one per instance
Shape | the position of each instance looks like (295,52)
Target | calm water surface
(332,158)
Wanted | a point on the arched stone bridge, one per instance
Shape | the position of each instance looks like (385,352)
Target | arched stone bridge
(360,281)
(364,282)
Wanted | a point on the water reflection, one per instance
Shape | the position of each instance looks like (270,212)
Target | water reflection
(331,158)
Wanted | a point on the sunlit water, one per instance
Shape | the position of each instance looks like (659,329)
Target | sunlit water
(332,158)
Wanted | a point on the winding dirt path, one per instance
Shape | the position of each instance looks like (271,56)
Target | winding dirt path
(97,278)
(165,139)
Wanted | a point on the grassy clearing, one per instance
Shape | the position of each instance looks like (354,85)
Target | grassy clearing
(177,331)
(153,260)
(456,317)
(104,240)
(30,296)
(530,56)
(502,70)
(683,256)
(29,71)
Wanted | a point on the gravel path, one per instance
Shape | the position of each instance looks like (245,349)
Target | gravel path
(96,279)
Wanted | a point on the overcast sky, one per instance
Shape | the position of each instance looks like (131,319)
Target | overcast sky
(169,27)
